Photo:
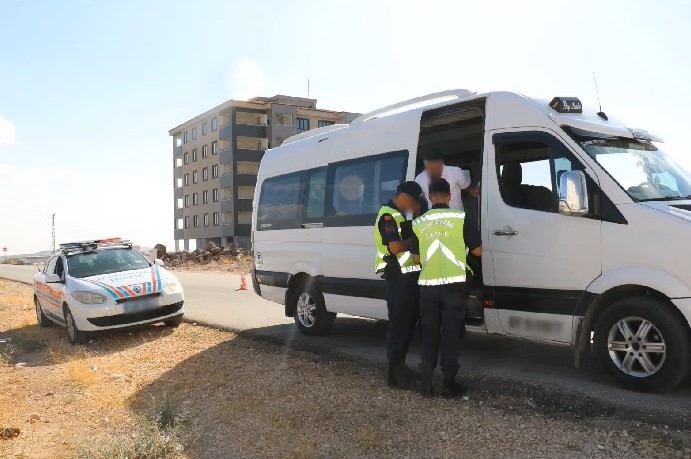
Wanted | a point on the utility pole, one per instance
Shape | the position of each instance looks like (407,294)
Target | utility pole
(53,245)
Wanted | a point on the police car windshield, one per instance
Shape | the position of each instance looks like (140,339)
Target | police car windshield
(642,169)
(98,262)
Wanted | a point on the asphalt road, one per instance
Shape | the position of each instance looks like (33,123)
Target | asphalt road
(541,374)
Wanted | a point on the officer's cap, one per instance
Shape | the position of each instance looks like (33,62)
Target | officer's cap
(410,188)
(439,186)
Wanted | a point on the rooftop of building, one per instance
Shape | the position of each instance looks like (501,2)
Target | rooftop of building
(257,102)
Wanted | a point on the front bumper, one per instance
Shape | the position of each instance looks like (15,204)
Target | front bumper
(132,312)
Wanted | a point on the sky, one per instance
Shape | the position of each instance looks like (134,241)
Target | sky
(89,90)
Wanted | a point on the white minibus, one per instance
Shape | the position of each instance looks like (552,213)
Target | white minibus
(585,225)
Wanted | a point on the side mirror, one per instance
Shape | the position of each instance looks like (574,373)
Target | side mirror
(159,262)
(573,194)
(53,279)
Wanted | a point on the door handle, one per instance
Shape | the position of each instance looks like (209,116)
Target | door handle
(505,232)
(312,225)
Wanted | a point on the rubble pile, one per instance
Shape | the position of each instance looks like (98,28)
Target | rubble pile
(213,258)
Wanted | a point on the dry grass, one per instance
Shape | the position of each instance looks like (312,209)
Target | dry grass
(201,393)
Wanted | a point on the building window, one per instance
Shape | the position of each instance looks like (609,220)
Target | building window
(186,157)
(187,179)
(187,200)
(194,177)
(324,123)
(187,222)
(217,218)
(214,171)
(205,128)
(284,119)
(316,191)
(214,147)
(195,199)
(214,124)
(206,219)
(303,124)
(245,192)
(205,151)
(205,197)
(205,174)
(214,195)
(178,223)
(194,155)
(195,220)
(194,133)
(185,139)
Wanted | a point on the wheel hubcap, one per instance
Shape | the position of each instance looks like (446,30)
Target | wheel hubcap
(636,347)
(307,310)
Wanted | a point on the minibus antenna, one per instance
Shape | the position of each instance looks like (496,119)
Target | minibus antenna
(601,114)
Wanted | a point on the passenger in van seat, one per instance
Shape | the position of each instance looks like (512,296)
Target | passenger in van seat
(395,264)
(459,179)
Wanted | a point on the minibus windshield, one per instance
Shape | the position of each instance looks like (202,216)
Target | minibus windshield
(643,170)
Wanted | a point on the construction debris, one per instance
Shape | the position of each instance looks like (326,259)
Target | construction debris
(213,258)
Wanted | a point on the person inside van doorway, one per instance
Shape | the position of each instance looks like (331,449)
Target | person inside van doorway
(392,236)
(459,179)
(442,238)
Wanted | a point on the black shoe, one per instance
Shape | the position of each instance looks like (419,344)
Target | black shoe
(453,389)
(427,386)
(397,377)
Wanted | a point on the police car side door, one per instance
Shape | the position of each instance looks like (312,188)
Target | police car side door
(43,289)
(542,261)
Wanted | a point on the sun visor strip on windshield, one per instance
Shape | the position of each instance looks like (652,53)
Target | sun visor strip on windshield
(603,128)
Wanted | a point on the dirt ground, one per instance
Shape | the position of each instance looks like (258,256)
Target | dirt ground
(195,392)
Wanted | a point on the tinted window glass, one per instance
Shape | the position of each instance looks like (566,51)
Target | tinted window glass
(316,191)
(279,203)
(361,187)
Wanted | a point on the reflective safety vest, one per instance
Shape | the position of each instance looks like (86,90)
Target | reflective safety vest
(405,259)
(442,248)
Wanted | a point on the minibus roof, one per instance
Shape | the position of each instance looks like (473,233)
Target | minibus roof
(585,118)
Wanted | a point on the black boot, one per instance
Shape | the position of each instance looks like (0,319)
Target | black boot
(397,377)
(452,388)
(427,386)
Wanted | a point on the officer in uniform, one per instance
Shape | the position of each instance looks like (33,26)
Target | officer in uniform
(440,239)
(395,264)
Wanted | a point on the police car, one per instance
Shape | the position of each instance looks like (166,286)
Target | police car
(105,284)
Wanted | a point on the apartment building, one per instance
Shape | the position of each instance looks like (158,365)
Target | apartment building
(216,158)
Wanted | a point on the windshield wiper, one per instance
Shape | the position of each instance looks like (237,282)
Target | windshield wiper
(667,198)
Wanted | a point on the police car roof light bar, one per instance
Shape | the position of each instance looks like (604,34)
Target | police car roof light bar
(91,245)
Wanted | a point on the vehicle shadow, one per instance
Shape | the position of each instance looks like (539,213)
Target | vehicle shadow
(36,346)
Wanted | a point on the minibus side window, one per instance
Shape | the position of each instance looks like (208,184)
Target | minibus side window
(316,192)
(356,189)
(280,204)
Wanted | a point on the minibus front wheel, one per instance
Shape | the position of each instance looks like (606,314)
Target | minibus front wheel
(644,344)
(311,316)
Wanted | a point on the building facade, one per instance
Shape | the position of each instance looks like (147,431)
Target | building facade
(216,158)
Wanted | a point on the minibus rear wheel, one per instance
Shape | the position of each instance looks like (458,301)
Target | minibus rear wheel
(644,344)
(311,316)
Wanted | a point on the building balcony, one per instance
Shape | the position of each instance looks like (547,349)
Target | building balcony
(227,205)
(179,234)
(177,194)
(177,172)
(248,155)
(243,230)
(245,180)
(243,205)
(225,131)
(227,230)
(250,130)
(227,180)
(177,151)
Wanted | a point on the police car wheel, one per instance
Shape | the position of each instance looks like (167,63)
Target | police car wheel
(43,320)
(644,344)
(173,321)
(74,335)
(311,316)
